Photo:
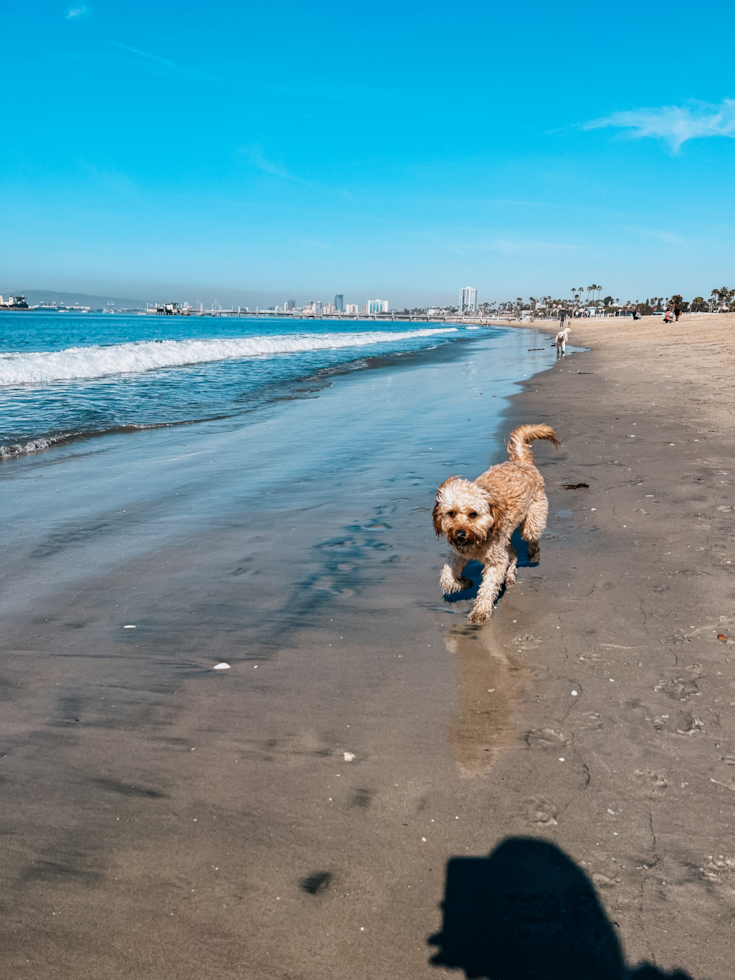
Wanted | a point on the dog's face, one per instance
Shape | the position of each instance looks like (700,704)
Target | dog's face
(463,513)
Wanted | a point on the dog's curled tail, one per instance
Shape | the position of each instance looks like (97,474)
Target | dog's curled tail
(519,449)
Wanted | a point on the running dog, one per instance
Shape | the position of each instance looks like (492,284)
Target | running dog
(561,340)
(478,518)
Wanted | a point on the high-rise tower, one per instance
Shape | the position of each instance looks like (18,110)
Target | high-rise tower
(467,299)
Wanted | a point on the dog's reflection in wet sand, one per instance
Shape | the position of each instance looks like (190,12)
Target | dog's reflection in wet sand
(488,683)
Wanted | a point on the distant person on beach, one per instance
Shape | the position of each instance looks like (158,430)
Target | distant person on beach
(677,310)
(669,317)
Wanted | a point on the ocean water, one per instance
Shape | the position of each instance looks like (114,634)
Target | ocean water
(67,376)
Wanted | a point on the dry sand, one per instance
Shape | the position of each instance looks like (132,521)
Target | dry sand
(638,575)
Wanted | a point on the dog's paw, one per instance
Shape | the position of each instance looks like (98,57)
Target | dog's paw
(456,585)
(534,553)
(510,578)
(450,584)
(478,616)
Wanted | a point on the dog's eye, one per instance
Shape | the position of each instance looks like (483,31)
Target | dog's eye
(473,513)
(452,513)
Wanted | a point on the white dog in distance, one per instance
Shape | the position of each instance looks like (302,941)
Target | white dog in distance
(561,340)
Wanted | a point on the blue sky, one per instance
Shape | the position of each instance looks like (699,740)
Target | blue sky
(399,150)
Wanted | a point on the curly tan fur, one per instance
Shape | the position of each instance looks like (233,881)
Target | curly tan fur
(478,519)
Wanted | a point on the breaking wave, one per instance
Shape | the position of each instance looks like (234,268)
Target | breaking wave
(46,367)
(13,450)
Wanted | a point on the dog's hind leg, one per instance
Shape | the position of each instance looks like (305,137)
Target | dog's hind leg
(532,526)
(451,579)
(510,575)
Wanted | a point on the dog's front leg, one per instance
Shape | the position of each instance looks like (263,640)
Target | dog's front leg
(493,576)
(451,577)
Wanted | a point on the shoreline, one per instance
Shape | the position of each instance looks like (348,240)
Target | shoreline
(303,386)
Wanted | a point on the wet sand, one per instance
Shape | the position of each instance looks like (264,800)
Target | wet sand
(165,820)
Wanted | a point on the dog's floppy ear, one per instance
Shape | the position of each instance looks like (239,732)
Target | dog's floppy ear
(437,518)
(437,512)
(493,506)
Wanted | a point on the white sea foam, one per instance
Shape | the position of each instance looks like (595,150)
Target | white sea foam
(45,367)
(46,442)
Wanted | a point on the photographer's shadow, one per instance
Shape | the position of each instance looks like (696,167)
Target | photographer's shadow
(527,912)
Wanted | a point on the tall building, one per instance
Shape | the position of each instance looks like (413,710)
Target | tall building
(351,308)
(467,300)
(377,306)
(339,303)
(290,304)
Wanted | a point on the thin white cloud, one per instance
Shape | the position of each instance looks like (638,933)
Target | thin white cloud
(674,124)
(73,12)
(145,54)
(661,235)
(308,241)
(255,155)
(515,248)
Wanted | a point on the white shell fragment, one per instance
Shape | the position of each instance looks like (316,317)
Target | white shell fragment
(128,627)
(349,756)
(221,666)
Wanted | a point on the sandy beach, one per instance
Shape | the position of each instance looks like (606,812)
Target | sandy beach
(641,588)
(295,816)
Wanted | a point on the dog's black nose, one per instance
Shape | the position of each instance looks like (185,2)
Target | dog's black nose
(460,535)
